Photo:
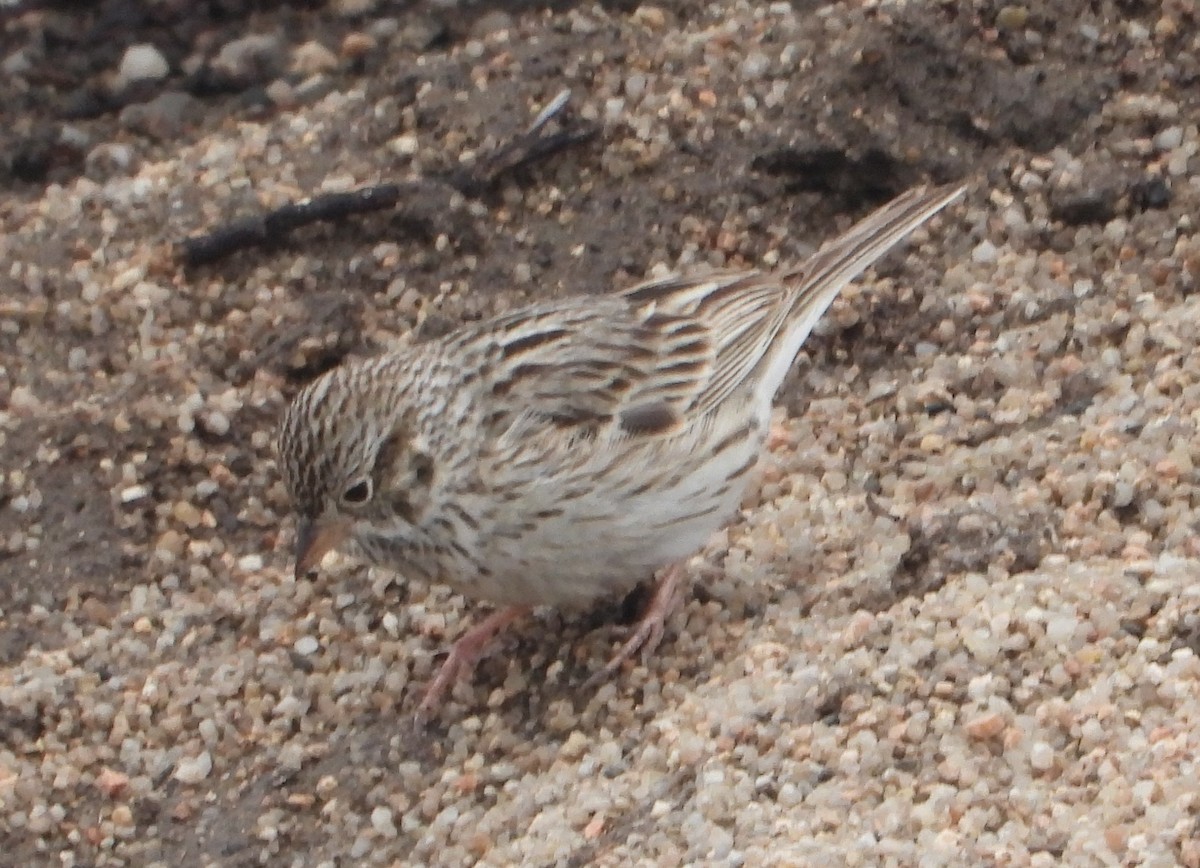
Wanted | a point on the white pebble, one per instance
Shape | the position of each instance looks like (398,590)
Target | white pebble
(22,398)
(405,145)
(306,645)
(1041,756)
(1169,139)
(381,822)
(142,63)
(133,492)
(755,65)
(1060,628)
(194,770)
(984,253)
(216,423)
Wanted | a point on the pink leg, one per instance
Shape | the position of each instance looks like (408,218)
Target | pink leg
(464,654)
(649,630)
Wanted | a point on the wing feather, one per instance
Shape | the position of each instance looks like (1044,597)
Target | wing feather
(668,350)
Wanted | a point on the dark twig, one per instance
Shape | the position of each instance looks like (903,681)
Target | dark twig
(258,231)
(532,145)
(529,147)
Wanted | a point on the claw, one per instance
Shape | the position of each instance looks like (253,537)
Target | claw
(649,630)
(463,656)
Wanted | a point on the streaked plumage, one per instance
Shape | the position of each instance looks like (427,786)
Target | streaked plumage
(567,450)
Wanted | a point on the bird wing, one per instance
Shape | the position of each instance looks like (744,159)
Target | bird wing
(590,363)
(672,349)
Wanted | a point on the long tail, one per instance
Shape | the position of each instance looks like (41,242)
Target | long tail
(815,284)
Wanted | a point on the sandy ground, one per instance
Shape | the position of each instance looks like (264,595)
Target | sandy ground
(957,622)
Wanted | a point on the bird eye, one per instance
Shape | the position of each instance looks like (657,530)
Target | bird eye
(359,492)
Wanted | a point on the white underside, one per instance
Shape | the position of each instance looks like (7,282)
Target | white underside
(610,536)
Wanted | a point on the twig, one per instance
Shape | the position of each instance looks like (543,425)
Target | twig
(260,231)
(532,145)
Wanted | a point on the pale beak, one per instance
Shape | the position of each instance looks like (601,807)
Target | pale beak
(314,540)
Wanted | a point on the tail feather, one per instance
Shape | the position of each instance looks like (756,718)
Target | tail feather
(816,283)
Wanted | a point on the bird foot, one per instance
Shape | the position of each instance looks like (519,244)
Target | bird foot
(648,631)
(463,656)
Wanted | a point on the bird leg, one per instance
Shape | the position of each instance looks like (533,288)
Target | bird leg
(463,656)
(648,631)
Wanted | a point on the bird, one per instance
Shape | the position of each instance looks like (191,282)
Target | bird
(568,450)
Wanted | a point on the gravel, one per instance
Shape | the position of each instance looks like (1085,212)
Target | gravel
(957,622)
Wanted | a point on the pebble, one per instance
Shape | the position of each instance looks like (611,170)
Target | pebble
(167,116)
(109,158)
(193,770)
(1169,139)
(312,57)
(354,8)
(141,63)
(985,253)
(255,58)
(358,45)
(381,822)
(1041,756)
(307,645)
(250,563)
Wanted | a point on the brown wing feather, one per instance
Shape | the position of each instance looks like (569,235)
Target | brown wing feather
(587,363)
(675,348)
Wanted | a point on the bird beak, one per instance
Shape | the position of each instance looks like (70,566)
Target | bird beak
(314,540)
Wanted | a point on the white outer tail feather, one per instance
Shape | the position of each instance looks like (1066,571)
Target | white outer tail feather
(831,268)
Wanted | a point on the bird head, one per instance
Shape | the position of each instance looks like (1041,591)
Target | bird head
(350,461)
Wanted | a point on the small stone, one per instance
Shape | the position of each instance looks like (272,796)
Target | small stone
(111,783)
(1169,139)
(357,45)
(141,63)
(1041,756)
(215,422)
(405,145)
(108,159)
(421,33)
(281,93)
(252,59)
(381,822)
(491,23)
(574,746)
(122,817)
(755,64)
(1060,628)
(167,116)
(194,770)
(186,514)
(1012,18)
(1079,207)
(23,400)
(985,726)
(306,645)
(354,8)
(635,86)
(313,57)
(170,545)
(17,64)
(1122,495)
(651,17)
(984,253)
(1165,28)
(133,493)
(313,88)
